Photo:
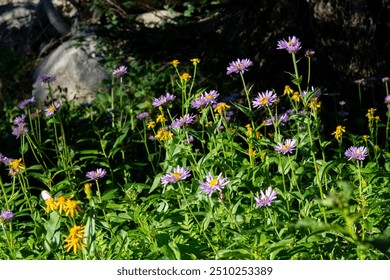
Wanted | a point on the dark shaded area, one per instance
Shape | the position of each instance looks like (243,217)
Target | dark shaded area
(351,39)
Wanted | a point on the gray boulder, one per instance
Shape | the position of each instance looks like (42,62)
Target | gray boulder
(78,70)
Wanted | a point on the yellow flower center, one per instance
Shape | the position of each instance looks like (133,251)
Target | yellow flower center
(176,175)
(214,182)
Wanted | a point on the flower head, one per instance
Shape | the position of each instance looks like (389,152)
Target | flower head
(205,99)
(239,66)
(387,99)
(338,132)
(46,79)
(19,130)
(72,207)
(385,79)
(266,98)
(98,174)
(120,71)
(195,61)
(292,45)
(287,146)
(26,102)
(358,153)
(164,99)
(178,174)
(6,215)
(265,199)
(142,116)
(360,81)
(5,159)
(52,108)
(213,184)
(75,239)
(309,53)
(186,119)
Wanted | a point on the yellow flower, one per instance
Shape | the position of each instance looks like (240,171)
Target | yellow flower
(75,239)
(17,164)
(338,132)
(258,135)
(151,124)
(287,90)
(296,97)
(376,147)
(195,60)
(175,62)
(72,207)
(60,203)
(252,152)
(208,123)
(221,107)
(161,118)
(365,137)
(249,130)
(163,134)
(51,205)
(185,77)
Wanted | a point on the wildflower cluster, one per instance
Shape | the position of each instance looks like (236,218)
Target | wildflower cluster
(61,204)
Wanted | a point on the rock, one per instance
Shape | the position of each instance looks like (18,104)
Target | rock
(157,18)
(77,68)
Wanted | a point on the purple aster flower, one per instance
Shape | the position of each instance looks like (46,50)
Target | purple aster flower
(190,139)
(98,174)
(317,92)
(266,98)
(26,102)
(358,153)
(292,45)
(178,174)
(19,130)
(287,146)
(387,99)
(186,119)
(120,71)
(6,215)
(265,199)
(213,184)
(239,66)
(52,108)
(46,79)
(205,99)
(143,116)
(385,79)
(164,99)
(20,120)
(5,159)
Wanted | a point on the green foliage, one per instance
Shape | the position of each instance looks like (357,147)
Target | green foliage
(327,207)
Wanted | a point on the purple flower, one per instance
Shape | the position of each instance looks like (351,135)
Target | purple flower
(266,198)
(46,79)
(213,184)
(178,174)
(20,120)
(164,99)
(387,99)
(205,99)
(52,108)
(26,102)
(292,45)
(19,130)
(95,175)
(358,153)
(266,98)
(287,146)
(142,116)
(190,139)
(186,119)
(239,66)
(6,215)
(120,71)
(5,159)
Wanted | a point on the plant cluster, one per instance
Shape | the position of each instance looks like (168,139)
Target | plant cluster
(194,173)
